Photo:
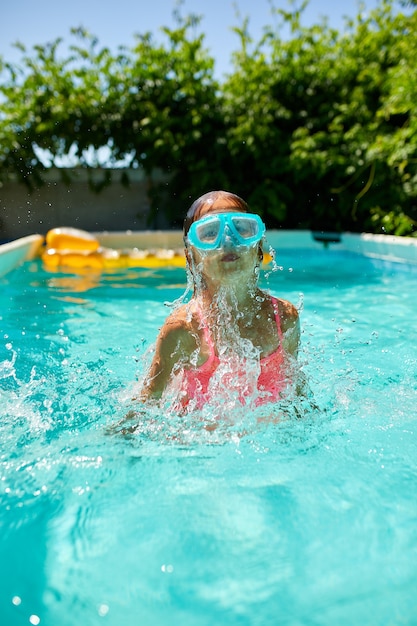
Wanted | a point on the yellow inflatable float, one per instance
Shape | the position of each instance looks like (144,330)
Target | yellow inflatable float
(74,249)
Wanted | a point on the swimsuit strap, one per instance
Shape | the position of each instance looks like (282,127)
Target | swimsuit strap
(207,338)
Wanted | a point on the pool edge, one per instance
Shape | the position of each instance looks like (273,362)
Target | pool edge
(14,253)
(385,247)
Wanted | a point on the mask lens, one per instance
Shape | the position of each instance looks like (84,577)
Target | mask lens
(246,227)
(207,232)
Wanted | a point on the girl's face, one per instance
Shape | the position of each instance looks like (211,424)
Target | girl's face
(228,263)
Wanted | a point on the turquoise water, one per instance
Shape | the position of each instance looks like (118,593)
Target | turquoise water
(310,521)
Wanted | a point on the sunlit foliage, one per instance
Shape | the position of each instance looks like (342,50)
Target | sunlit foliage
(316,127)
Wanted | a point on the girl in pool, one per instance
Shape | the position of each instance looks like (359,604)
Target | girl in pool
(231,336)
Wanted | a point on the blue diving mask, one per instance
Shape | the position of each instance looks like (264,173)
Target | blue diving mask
(212,231)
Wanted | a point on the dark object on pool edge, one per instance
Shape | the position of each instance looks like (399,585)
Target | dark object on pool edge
(326,237)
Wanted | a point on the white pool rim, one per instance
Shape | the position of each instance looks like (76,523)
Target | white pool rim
(14,253)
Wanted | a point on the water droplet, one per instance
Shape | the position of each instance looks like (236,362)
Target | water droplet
(103,609)
(167,569)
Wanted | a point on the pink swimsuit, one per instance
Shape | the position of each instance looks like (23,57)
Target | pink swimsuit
(270,384)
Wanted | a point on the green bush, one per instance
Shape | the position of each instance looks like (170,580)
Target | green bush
(317,129)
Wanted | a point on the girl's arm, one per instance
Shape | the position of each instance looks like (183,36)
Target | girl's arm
(290,325)
(173,349)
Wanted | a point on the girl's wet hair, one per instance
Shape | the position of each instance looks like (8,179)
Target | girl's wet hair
(231,200)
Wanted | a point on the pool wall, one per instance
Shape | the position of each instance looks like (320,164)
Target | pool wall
(383,247)
(13,253)
(386,247)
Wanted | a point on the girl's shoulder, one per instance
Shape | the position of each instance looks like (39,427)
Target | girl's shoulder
(180,326)
(287,311)
(183,316)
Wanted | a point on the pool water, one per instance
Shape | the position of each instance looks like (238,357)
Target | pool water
(308,521)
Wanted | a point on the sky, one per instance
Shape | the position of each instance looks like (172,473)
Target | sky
(116,22)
